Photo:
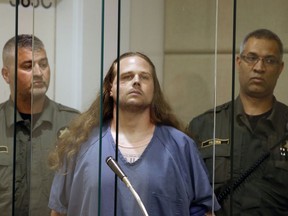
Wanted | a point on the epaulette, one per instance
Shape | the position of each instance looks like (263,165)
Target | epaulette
(219,108)
(224,106)
(66,108)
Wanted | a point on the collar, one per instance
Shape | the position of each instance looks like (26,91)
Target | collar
(274,118)
(45,116)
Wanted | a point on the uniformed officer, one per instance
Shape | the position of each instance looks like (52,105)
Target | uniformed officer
(32,132)
(258,182)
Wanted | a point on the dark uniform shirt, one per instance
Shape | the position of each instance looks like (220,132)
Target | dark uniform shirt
(265,191)
(33,178)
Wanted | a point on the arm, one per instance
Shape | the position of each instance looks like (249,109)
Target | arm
(54,213)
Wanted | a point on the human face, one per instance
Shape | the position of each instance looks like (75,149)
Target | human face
(136,86)
(259,79)
(32,80)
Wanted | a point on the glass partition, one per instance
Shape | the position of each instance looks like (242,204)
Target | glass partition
(194,45)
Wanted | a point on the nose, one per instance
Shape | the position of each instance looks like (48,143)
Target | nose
(259,65)
(37,70)
(136,79)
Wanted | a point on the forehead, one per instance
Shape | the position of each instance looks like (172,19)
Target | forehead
(262,46)
(29,51)
(134,64)
(26,53)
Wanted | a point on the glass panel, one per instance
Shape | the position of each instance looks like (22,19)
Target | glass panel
(73,32)
(49,119)
(259,190)
(193,57)
(194,46)
(162,153)
(51,105)
(16,114)
(255,131)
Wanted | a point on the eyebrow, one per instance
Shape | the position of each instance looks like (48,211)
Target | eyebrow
(253,53)
(145,72)
(30,61)
(27,61)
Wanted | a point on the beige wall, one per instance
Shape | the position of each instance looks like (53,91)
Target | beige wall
(189,63)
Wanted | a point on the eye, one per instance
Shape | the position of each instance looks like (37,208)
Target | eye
(252,58)
(145,76)
(127,77)
(271,60)
(43,64)
(26,66)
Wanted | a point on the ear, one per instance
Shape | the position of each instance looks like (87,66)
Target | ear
(282,66)
(5,74)
(238,61)
(110,92)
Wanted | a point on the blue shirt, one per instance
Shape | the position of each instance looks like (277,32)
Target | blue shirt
(169,177)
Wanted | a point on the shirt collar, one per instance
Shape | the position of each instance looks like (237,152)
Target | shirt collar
(45,116)
(273,118)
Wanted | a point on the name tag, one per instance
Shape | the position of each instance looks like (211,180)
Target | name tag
(215,141)
(3,149)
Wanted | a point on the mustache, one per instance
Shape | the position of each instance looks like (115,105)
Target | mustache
(138,91)
(37,79)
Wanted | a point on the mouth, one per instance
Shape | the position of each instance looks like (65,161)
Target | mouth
(135,92)
(257,80)
(38,83)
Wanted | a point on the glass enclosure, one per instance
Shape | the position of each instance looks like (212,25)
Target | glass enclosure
(193,45)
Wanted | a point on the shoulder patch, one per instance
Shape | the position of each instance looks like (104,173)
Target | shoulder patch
(62,131)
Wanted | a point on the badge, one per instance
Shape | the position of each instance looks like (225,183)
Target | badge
(284,151)
(62,131)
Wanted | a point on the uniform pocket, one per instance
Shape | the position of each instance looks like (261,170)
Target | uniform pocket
(5,172)
(283,165)
(222,161)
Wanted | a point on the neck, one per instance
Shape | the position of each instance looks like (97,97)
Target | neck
(134,128)
(132,120)
(256,106)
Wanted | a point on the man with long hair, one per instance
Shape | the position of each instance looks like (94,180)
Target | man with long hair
(138,127)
